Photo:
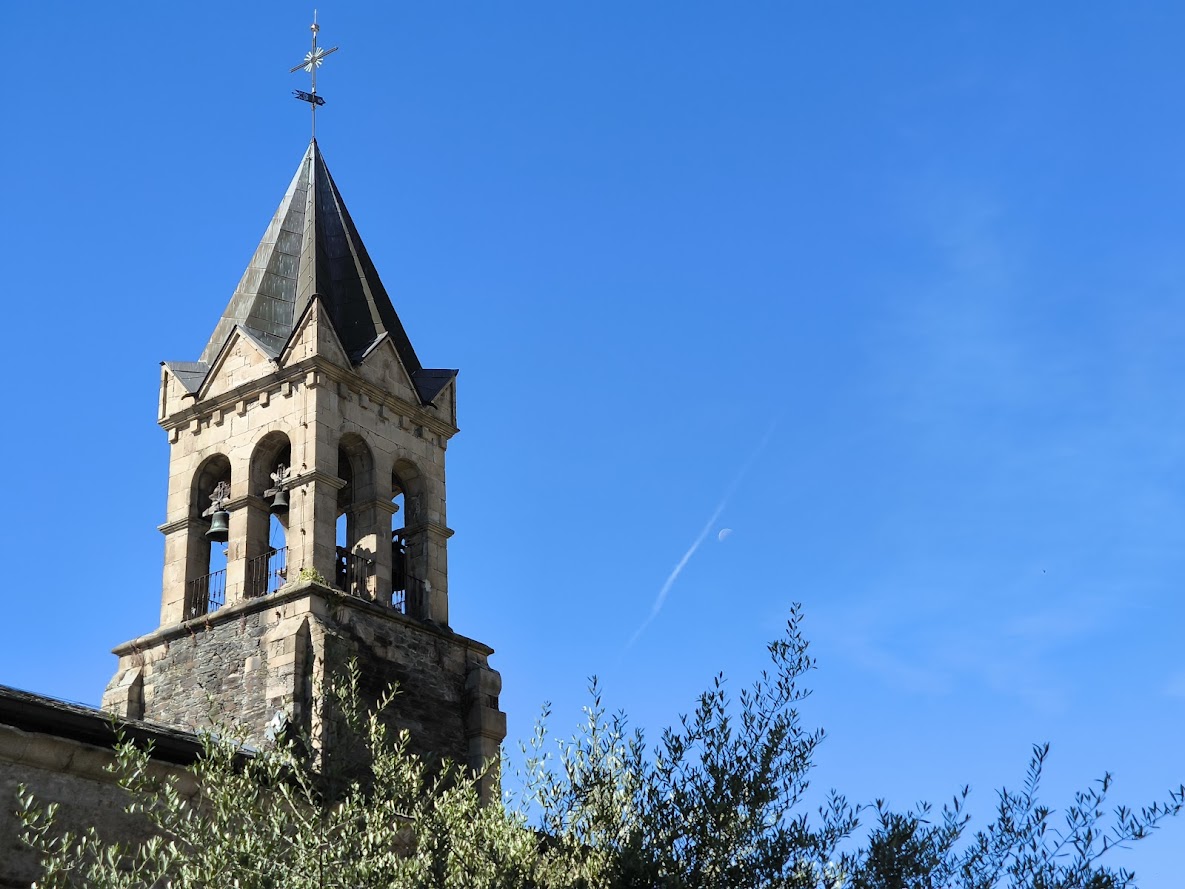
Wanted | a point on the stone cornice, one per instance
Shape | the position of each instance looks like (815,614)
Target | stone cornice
(58,753)
(387,506)
(246,500)
(429,528)
(301,589)
(230,506)
(298,374)
(315,475)
(181,524)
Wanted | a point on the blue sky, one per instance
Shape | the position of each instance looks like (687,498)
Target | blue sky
(893,292)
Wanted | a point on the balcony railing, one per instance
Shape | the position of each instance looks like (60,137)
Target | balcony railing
(398,601)
(267,572)
(399,578)
(355,574)
(205,594)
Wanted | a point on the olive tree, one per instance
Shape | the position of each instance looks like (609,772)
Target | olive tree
(718,802)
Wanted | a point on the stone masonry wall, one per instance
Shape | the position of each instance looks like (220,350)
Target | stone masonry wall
(429,669)
(243,663)
(63,771)
(215,674)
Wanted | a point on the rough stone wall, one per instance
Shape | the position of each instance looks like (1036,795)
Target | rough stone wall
(245,662)
(429,669)
(217,674)
(58,770)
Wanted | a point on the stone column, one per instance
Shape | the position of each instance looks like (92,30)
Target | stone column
(257,524)
(185,548)
(312,524)
(418,584)
(236,550)
(436,590)
(373,520)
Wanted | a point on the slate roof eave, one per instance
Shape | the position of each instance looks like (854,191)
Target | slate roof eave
(31,712)
(429,382)
(189,374)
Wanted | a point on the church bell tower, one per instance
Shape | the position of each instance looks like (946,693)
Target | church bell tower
(306,513)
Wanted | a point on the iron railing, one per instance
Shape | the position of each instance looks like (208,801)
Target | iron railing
(267,572)
(399,578)
(205,594)
(355,574)
(398,601)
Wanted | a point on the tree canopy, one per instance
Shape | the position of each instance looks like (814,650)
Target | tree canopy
(718,802)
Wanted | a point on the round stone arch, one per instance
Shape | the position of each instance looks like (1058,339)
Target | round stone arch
(358,529)
(266,543)
(355,466)
(409,540)
(212,471)
(408,481)
(271,450)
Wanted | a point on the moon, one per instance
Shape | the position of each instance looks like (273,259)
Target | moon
(723,535)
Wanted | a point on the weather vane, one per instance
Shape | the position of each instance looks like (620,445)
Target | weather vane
(312,61)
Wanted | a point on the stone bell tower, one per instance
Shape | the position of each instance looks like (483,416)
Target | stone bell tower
(294,439)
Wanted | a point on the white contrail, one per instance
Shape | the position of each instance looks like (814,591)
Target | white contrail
(661,598)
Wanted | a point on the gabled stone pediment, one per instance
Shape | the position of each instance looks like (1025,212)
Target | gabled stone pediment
(381,366)
(242,359)
(314,336)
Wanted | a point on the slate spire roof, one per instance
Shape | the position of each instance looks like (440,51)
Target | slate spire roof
(312,249)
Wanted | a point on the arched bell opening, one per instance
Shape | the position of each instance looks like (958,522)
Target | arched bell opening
(208,537)
(355,569)
(398,543)
(345,500)
(408,555)
(268,515)
(277,534)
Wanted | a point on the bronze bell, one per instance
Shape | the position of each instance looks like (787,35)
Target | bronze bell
(219,527)
(279,503)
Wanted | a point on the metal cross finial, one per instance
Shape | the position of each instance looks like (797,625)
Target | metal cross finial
(279,479)
(219,497)
(312,61)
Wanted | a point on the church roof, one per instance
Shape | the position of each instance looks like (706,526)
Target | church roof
(312,249)
(37,713)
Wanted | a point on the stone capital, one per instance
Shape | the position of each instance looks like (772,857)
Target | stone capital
(387,506)
(181,525)
(432,528)
(316,475)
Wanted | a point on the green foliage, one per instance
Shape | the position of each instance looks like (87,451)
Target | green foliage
(717,803)
(312,574)
(714,805)
(267,819)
